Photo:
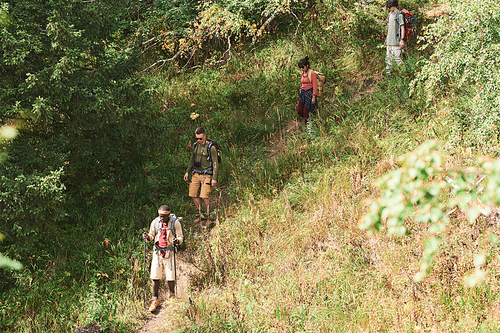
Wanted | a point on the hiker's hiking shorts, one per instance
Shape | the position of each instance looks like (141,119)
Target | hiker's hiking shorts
(200,181)
(165,269)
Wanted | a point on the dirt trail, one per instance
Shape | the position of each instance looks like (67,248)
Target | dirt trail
(166,315)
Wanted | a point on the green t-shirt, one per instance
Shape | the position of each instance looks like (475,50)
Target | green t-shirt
(392,38)
(200,154)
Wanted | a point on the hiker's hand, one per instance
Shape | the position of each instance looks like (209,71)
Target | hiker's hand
(313,101)
(214,182)
(402,43)
(186,175)
(176,241)
(145,235)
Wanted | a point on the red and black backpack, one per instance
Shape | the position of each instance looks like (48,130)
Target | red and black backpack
(409,21)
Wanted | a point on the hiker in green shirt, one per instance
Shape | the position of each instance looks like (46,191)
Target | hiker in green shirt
(204,166)
(395,39)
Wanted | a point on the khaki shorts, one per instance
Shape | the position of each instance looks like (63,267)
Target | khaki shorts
(203,181)
(165,271)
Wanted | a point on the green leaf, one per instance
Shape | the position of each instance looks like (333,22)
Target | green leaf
(479,259)
(432,244)
(8,263)
(437,227)
(475,279)
(473,213)
(395,180)
(419,276)
(412,173)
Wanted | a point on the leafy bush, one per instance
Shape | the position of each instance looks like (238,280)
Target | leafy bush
(425,192)
(464,65)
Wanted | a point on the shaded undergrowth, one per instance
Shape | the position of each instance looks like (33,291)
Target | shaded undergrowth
(287,253)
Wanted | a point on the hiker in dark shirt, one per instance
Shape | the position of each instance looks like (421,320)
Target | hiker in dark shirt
(165,236)
(308,90)
(204,166)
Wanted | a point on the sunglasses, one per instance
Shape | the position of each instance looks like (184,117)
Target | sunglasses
(199,139)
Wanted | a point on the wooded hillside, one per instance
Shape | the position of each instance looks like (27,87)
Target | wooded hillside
(382,217)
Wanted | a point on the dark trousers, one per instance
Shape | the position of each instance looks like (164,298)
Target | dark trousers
(302,111)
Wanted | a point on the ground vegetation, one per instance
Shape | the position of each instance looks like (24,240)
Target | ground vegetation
(382,217)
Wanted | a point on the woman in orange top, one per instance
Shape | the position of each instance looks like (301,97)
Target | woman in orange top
(308,90)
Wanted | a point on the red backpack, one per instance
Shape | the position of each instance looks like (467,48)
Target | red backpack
(409,20)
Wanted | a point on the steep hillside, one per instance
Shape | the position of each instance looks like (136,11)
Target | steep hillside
(306,237)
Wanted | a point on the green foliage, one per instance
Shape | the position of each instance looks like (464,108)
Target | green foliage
(37,196)
(100,147)
(99,307)
(424,191)
(82,116)
(365,32)
(207,31)
(465,64)
(6,262)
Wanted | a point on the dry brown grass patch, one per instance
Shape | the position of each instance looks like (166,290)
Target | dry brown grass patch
(438,10)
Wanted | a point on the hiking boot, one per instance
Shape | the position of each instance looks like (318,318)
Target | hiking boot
(154,304)
(205,223)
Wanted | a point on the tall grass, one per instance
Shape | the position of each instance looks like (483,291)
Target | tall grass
(298,262)
(294,259)
(287,254)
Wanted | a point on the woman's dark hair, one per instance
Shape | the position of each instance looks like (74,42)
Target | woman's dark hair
(304,62)
(391,3)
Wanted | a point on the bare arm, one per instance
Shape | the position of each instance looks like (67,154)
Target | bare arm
(402,42)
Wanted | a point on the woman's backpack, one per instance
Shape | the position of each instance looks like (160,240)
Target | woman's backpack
(321,80)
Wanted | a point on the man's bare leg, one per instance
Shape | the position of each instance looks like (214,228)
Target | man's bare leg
(171,288)
(206,222)
(197,203)
(206,201)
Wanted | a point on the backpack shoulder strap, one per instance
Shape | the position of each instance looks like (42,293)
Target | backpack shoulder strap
(172,225)
(396,24)
(157,224)
(400,12)
(315,74)
(210,144)
(309,76)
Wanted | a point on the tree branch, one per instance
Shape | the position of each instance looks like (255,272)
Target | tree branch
(298,25)
(192,55)
(163,61)
(228,50)
(265,25)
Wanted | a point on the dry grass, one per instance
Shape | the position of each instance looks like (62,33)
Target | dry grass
(438,10)
(299,263)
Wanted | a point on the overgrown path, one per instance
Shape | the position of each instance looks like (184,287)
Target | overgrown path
(164,317)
